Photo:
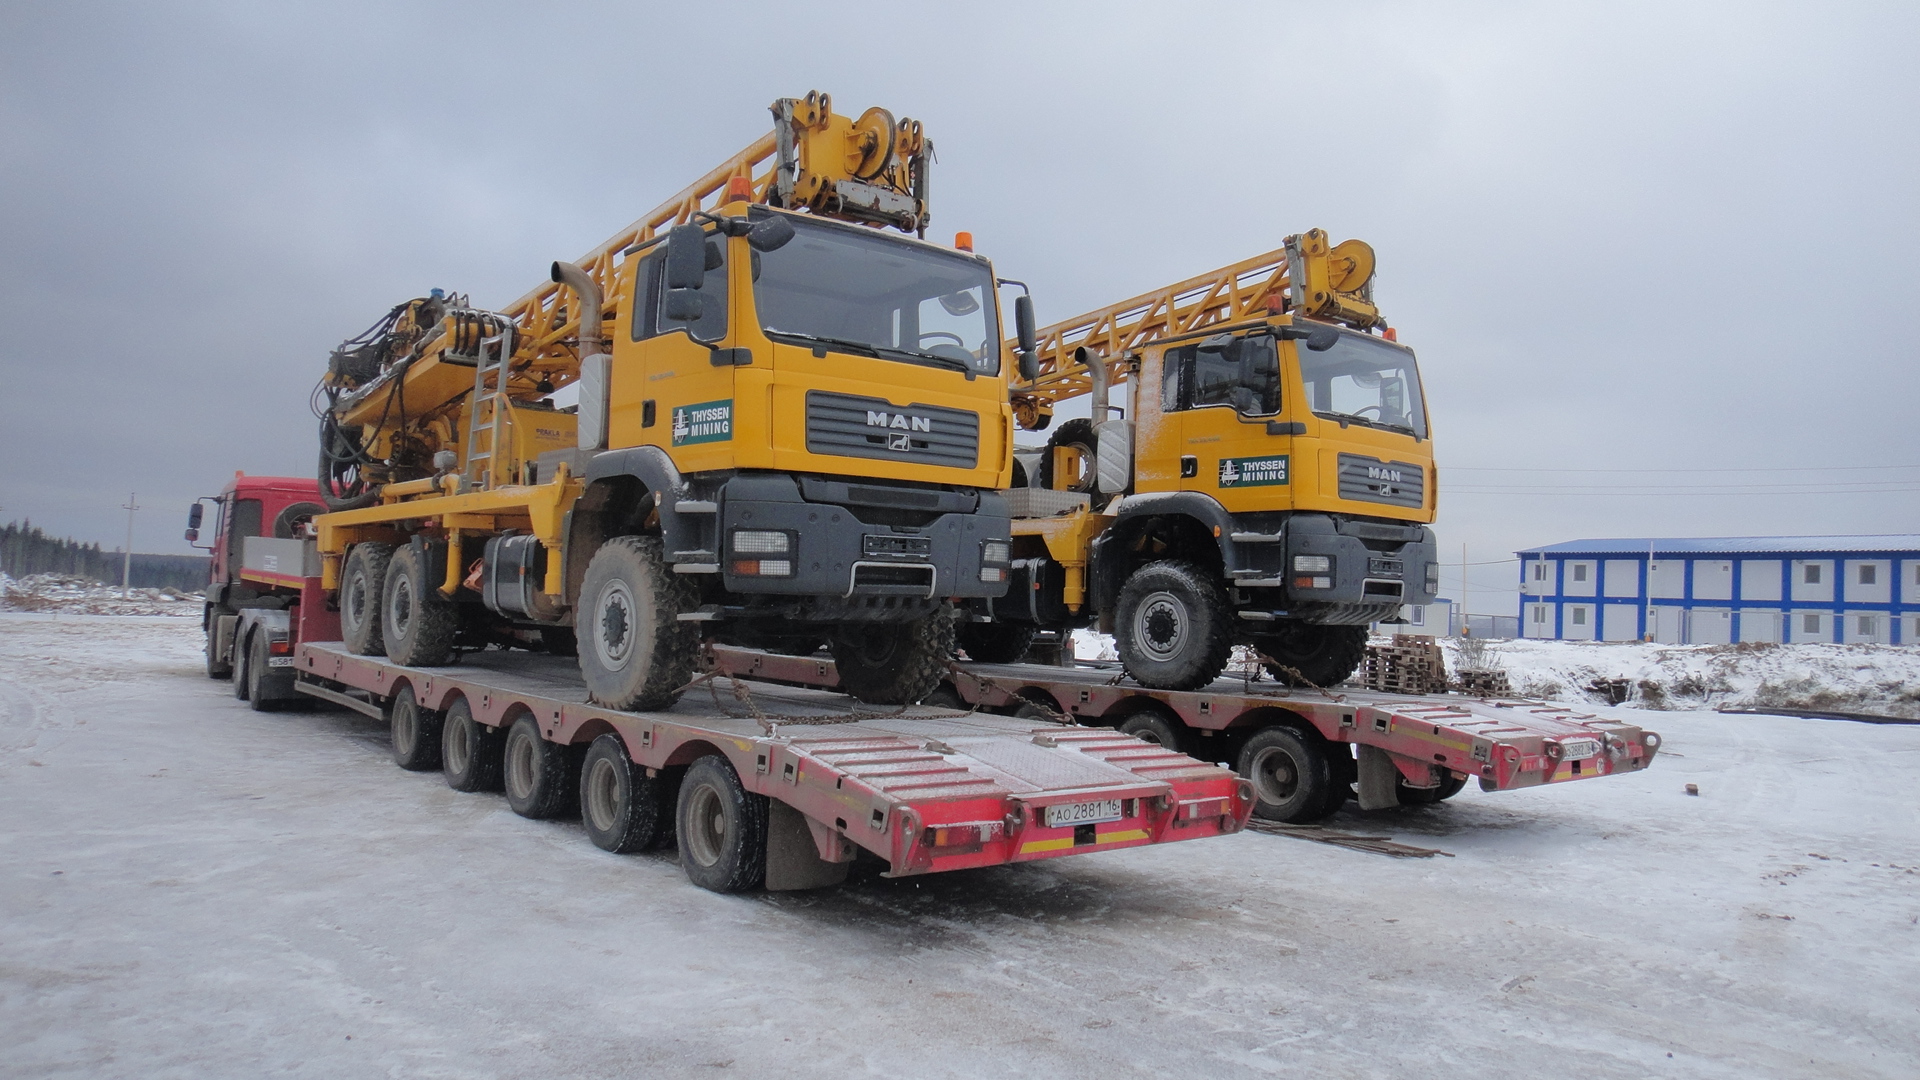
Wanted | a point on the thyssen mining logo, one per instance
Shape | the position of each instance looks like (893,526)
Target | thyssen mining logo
(899,426)
(709,421)
(1253,471)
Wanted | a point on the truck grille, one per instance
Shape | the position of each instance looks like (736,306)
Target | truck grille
(1368,479)
(868,427)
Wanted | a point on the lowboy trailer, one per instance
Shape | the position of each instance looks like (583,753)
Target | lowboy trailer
(781,786)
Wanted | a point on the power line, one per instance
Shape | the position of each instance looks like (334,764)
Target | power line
(1703,469)
(1587,492)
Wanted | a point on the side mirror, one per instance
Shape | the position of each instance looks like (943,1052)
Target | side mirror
(193,535)
(1322,338)
(686,257)
(195,514)
(684,304)
(1029,366)
(1023,324)
(770,233)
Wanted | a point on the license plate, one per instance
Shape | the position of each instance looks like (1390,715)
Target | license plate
(1579,749)
(1081,813)
(279,661)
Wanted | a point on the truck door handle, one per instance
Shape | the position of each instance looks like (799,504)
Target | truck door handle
(646,414)
(1189,466)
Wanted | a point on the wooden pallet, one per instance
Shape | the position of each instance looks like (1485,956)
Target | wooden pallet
(1483,683)
(1411,665)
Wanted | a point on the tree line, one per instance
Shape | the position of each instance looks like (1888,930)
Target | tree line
(25,549)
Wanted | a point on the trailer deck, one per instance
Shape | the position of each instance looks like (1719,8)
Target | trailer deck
(925,789)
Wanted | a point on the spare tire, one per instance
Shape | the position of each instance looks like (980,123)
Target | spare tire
(288,521)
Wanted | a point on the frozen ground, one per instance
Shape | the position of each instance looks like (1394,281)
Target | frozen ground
(191,889)
(67,594)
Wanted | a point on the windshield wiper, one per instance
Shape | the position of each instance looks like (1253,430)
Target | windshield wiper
(878,352)
(1364,422)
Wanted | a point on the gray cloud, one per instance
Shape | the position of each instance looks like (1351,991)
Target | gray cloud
(1621,236)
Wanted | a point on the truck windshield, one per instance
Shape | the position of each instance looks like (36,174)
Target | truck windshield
(858,290)
(1365,381)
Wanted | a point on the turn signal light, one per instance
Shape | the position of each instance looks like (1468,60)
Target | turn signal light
(993,573)
(763,567)
(1313,583)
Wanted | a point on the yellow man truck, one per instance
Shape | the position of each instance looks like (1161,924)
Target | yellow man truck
(791,428)
(1269,481)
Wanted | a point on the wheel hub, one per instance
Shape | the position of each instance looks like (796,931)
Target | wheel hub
(1161,626)
(1275,776)
(615,639)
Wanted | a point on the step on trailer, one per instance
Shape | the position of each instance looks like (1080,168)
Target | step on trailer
(783,786)
(1306,751)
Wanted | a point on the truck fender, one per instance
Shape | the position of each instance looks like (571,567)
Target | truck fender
(680,532)
(1108,557)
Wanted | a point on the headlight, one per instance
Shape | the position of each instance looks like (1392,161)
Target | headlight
(759,542)
(1313,564)
(993,574)
(996,551)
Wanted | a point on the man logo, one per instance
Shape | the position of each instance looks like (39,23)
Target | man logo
(1375,472)
(898,422)
(900,441)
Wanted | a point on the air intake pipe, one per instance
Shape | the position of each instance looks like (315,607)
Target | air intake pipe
(594,360)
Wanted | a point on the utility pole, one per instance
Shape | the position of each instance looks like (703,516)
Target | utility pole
(126,563)
(1466,624)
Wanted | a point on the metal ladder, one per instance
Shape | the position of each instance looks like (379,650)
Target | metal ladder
(491,354)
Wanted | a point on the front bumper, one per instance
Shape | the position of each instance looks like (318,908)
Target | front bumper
(860,543)
(1372,570)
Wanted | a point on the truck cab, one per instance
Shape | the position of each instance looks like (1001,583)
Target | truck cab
(242,601)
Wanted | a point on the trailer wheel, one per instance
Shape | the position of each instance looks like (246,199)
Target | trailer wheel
(1291,777)
(1172,626)
(469,753)
(360,587)
(620,804)
(722,828)
(1154,728)
(416,622)
(893,663)
(1413,796)
(414,732)
(1325,655)
(996,642)
(257,669)
(635,654)
(539,775)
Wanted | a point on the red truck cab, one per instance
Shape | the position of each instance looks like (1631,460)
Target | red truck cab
(247,614)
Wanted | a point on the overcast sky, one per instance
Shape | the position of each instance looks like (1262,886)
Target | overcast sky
(1665,239)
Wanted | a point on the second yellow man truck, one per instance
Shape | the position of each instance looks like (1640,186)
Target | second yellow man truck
(1269,481)
(791,429)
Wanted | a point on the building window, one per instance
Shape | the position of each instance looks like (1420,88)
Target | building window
(1866,573)
(1812,574)
(1869,625)
(1539,571)
(1810,622)
(1580,616)
(1579,571)
(1540,614)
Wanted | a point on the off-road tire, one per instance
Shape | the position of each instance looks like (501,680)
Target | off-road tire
(893,663)
(1154,728)
(289,518)
(470,755)
(539,776)
(215,669)
(1077,433)
(1173,626)
(413,730)
(1292,778)
(257,671)
(621,806)
(361,583)
(635,654)
(1325,655)
(417,624)
(996,642)
(722,828)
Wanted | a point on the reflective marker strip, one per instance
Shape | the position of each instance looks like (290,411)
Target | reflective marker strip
(1061,843)
(1121,837)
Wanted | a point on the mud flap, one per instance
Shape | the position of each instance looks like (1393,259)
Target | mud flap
(224,627)
(793,856)
(1378,774)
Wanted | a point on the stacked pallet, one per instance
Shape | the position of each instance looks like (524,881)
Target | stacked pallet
(1411,665)
(1483,683)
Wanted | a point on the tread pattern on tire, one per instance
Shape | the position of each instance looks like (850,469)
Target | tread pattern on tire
(1154,728)
(1206,656)
(482,772)
(908,672)
(641,816)
(370,560)
(257,667)
(743,866)
(554,771)
(216,670)
(1342,651)
(996,642)
(435,619)
(652,681)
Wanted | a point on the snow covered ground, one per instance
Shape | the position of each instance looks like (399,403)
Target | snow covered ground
(66,594)
(191,889)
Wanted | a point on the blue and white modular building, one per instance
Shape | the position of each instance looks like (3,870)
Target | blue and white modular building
(1724,589)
